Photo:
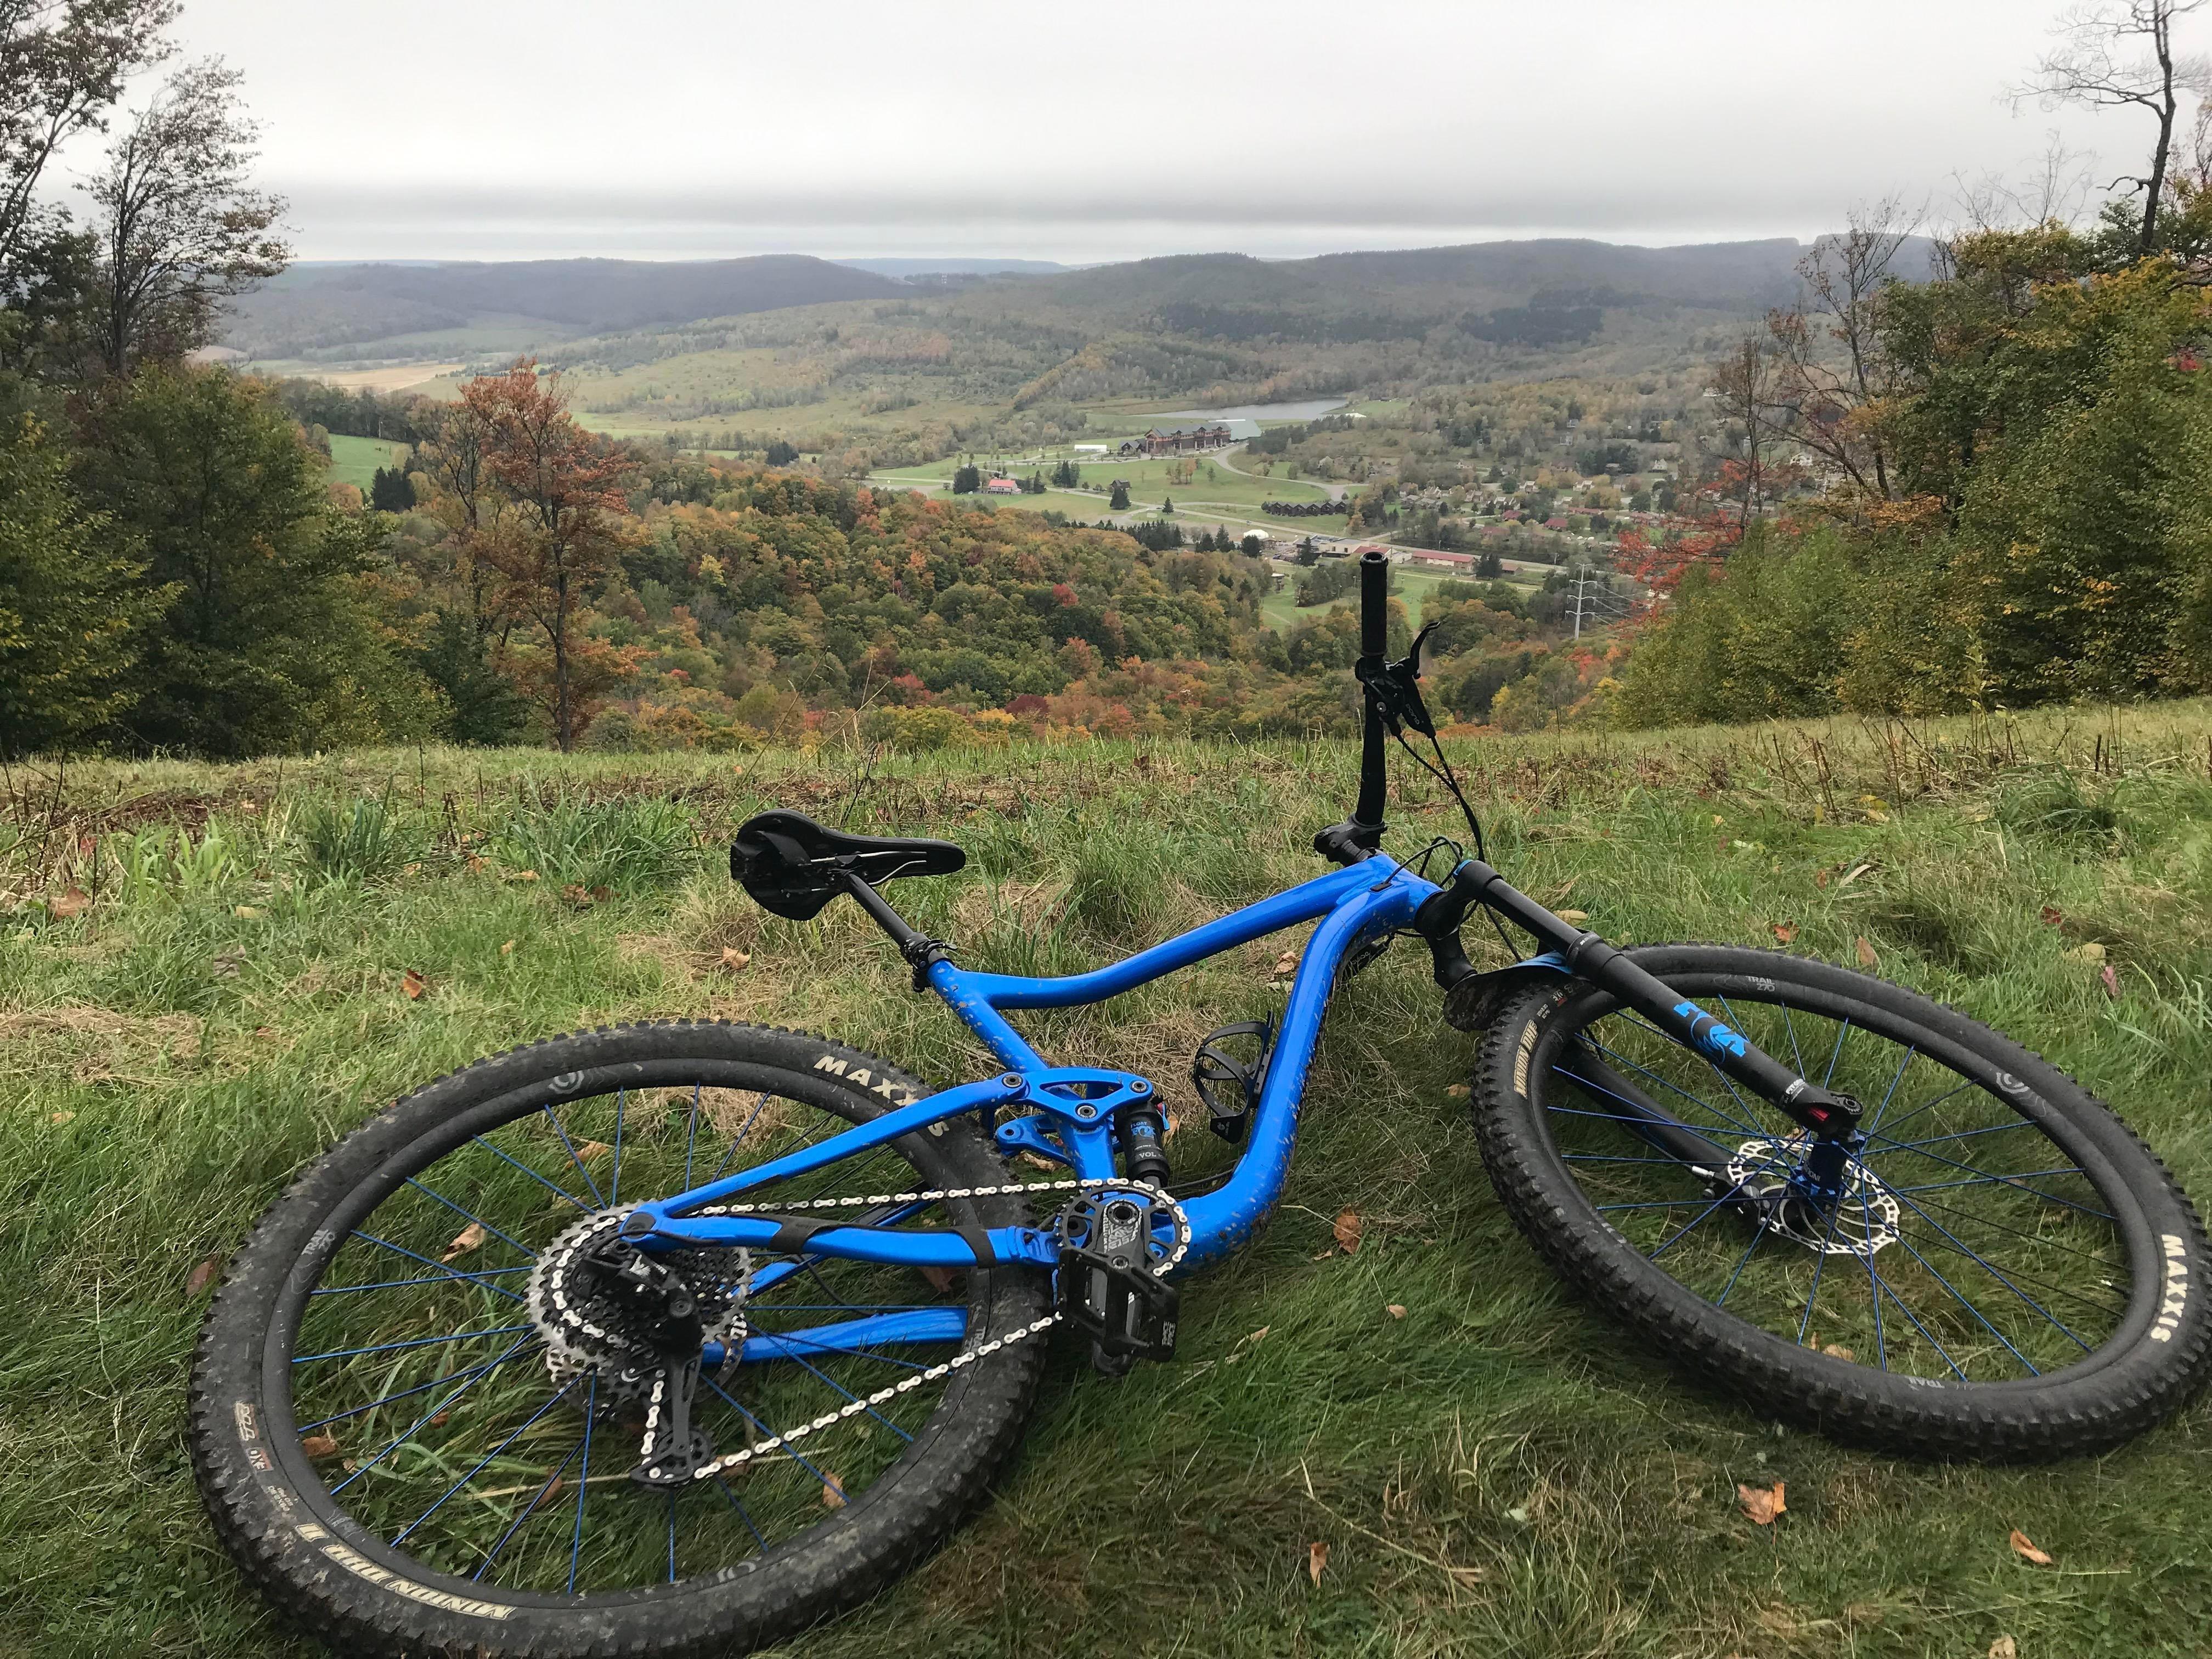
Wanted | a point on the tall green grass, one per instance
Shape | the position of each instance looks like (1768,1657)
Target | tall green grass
(1497,1471)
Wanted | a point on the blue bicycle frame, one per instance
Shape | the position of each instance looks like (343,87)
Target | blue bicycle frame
(1065,1113)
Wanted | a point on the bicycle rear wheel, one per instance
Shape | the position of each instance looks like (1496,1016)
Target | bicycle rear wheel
(2007,1272)
(414,1425)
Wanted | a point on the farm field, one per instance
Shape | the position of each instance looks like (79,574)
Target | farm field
(1280,609)
(355,460)
(1495,1469)
(427,380)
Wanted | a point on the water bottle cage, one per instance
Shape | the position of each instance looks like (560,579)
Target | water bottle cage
(1230,1087)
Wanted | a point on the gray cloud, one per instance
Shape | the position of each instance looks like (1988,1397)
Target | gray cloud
(671,128)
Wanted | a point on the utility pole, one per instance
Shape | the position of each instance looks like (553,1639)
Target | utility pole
(1582,588)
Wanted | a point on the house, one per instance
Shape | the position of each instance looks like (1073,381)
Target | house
(1178,439)
(1002,487)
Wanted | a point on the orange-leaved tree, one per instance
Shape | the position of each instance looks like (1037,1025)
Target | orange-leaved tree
(565,522)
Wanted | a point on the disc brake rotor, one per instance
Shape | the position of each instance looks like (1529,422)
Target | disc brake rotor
(1864,1217)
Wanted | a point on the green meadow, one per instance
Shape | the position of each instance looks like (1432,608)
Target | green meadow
(1497,1470)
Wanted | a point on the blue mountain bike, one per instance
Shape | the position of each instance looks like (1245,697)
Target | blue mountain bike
(671,1338)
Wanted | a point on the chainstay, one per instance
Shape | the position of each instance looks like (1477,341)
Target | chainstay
(738,1459)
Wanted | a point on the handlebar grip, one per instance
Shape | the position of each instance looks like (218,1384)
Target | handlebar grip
(1374,604)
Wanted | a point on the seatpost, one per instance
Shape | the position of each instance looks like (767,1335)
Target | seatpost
(1373,648)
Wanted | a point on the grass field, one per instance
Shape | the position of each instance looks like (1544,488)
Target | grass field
(1500,1471)
(355,460)
(1281,609)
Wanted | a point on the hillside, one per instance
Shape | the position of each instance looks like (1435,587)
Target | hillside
(371,310)
(1499,1470)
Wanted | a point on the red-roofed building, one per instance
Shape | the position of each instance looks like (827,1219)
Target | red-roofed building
(1002,487)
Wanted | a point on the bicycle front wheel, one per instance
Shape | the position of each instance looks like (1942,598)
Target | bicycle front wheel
(2006,1272)
(418,1409)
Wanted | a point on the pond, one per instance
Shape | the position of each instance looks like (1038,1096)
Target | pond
(1312,409)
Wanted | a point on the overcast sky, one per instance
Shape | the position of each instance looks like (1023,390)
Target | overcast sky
(1089,129)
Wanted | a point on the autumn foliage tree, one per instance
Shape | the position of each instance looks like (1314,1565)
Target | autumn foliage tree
(556,524)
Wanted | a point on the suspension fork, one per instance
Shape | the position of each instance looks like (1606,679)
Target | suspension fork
(1831,1118)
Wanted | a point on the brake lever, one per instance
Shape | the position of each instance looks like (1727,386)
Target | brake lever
(1396,687)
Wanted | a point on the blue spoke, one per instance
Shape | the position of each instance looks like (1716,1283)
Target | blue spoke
(1873,1280)
(1742,1260)
(1991,1269)
(449,1272)
(1796,1055)
(583,1482)
(614,1182)
(473,1219)
(1820,1266)
(557,1191)
(1897,1146)
(1884,1285)
(1890,1093)
(488,1457)
(1961,1299)
(413,1342)
(1705,1131)
(740,1509)
(1765,1164)
(833,1383)
(690,1136)
(420,1388)
(1842,1031)
(401,1283)
(789,1450)
(1994,1181)
(528,1510)
(672,1536)
(1933,1104)
(418,1426)
(2048,1198)
(1596,1157)
(759,1107)
(555,1120)
(1749,1127)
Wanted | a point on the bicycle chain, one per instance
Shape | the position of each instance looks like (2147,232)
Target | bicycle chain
(729,1461)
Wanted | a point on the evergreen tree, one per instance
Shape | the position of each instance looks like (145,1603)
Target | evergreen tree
(1118,499)
(391,491)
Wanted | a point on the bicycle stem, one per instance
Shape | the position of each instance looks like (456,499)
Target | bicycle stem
(1828,1115)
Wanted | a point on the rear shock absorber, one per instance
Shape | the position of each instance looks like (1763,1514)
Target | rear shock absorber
(1142,1130)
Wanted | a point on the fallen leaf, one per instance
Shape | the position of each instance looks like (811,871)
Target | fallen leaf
(1286,964)
(1819,879)
(320,1445)
(507,948)
(1867,956)
(246,913)
(72,903)
(525,875)
(2055,918)
(1395,1309)
(734,959)
(1857,870)
(832,1492)
(1457,1092)
(2024,1547)
(203,1275)
(2089,953)
(61,1117)
(601,894)
(2112,981)
(1760,1504)
(1254,1336)
(590,1150)
(1785,933)
(940,1278)
(1572,915)
(1718,820)
(414,984)
(548,1495)
(1316,1558)
(2004,1648)
(227,964)
(576,894)
(469,1238)
(1837,1351)
(1347,1228)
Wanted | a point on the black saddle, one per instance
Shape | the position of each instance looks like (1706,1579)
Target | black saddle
(793,866)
